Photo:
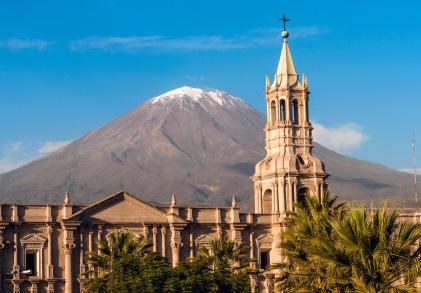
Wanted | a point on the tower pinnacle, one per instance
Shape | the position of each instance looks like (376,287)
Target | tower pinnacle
(286,75)
(285,33)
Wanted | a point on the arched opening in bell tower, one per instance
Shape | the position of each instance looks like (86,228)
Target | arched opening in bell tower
(301,195)
(295,117)
(273,112)
(282,110)
(267,202)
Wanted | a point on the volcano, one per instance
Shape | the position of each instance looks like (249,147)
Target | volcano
(200,145)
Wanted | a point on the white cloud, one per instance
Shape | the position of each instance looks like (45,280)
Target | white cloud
(52,146)
(418,170)
(21,44)
(13,157)
(342,138)
(251,39)
(17,154)
(308,32)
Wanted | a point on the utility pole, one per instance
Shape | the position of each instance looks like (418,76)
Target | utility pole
(414,161)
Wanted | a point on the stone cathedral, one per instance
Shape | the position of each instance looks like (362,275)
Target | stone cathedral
(43,248)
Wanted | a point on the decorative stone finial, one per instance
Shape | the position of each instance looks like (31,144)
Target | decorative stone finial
(66,198)
(234,202)
(173,201)
(267,82)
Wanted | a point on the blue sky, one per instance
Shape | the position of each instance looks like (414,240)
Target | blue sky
(68,67)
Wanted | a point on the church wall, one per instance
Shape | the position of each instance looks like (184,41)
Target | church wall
(198,226)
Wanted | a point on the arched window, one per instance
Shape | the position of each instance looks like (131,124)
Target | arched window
(273,112)
(295,117)
(267,202)
(282,110)
(301,196)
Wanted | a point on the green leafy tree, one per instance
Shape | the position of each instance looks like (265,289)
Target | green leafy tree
(332,248)
(192,276)
(125,264)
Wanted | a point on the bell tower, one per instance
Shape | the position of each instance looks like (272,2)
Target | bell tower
(289,169)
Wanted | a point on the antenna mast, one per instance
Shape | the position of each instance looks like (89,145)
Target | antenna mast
(415,167)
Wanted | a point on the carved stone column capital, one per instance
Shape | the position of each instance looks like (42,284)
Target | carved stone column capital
(236,232)
(69,241)
(163,230)
(154,230)
(176,241)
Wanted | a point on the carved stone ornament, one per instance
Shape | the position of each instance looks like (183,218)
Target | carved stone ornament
(205,239)
(304,162)
(264,241)
(33,241)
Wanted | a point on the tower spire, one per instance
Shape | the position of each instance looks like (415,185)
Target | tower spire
(286,74)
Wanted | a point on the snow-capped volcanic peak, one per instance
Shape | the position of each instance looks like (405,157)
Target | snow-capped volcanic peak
(200,96)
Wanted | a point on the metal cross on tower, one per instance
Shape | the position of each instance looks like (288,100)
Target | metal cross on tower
(284,20)
(413,143)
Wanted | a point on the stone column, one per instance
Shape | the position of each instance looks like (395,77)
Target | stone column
(81,261)
(251,244)
(287,106)
(34,286)
(154,239)
(281,191)
(191,244)
(175,243)
(276,198)
(50,271)
(254,283)
(90,243)
(16,268)
(256,199)
(99,236)
(68,245)
(291,197)
(50,288)
(269,286)
(163,241)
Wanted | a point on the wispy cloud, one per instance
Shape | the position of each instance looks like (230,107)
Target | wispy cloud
(52,146)
(252,39)
(342,138)
(22,44)
(18,154)
(308,32)
(411,171)
(13,157)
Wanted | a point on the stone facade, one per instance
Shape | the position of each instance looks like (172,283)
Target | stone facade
(52,240)
(43,248)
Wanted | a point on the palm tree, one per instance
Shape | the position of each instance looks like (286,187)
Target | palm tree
(224,260)
(115,261)
(332,248)
(223,254)
(378,253)
(301,270)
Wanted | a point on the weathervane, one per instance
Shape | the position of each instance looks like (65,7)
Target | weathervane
(284,20)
